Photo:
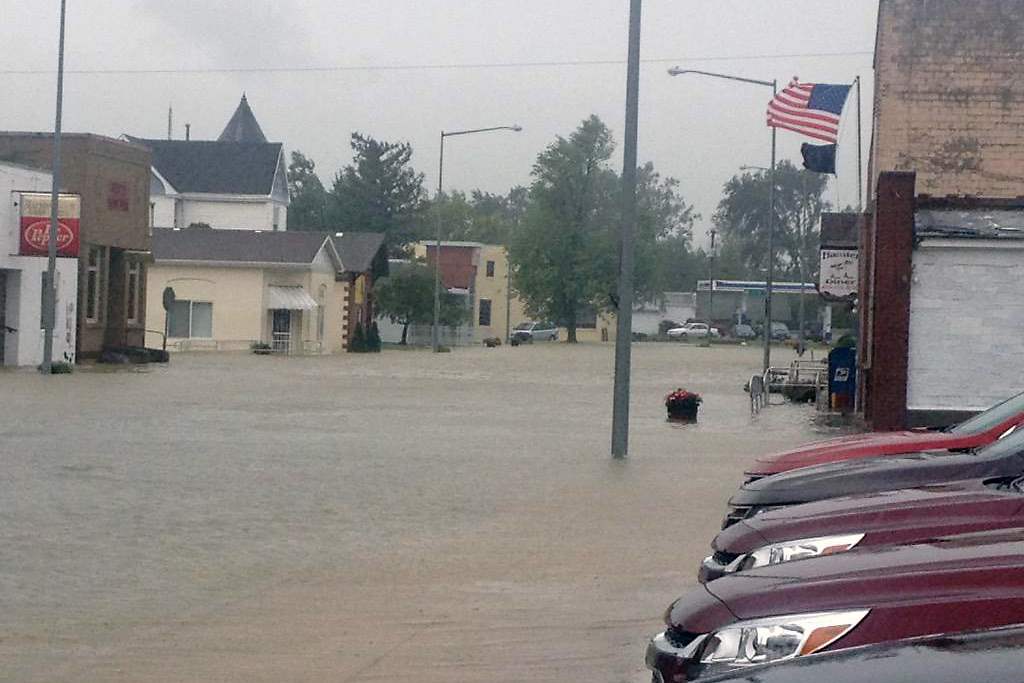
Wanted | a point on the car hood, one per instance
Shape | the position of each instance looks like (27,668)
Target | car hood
(942,571)
(885,516)
(876,474)
(868,445)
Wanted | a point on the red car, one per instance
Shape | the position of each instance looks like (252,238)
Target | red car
(832,603)
(980,430)
(837,525)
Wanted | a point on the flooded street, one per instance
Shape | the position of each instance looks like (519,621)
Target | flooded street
(404,516)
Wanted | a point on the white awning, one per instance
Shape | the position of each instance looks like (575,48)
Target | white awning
(289,299)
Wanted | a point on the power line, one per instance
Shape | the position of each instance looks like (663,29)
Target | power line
(426,67)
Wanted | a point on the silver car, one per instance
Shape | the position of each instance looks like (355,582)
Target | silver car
(529,332)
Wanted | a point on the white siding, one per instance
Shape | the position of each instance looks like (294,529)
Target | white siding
(229,215)
(966,324)
(163,211)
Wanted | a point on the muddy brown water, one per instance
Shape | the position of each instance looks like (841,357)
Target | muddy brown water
(403,516)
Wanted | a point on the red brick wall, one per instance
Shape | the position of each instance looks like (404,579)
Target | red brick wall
(949,100)
(885,381)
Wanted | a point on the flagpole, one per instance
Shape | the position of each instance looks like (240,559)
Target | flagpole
(860,154)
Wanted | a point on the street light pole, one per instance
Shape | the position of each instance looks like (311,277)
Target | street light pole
(50,291)
(624,317)
(435,328)
(774,85)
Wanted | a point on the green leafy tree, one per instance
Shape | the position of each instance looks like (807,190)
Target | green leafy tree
(563,255)
(307,208)
(406,296)
(564,252)
(743,212)
(379,192)
(478,217)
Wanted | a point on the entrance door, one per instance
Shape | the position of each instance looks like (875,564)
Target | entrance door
(281,330)
(3,315)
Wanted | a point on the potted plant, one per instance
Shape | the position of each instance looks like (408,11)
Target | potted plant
(262,348)
(682,405)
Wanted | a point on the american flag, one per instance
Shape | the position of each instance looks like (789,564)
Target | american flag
(809,109)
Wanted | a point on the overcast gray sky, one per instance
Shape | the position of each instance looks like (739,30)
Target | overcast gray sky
(698,130)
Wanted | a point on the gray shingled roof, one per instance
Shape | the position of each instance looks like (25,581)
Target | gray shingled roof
(214,167)
(243,126)
(358,249)
(243,246)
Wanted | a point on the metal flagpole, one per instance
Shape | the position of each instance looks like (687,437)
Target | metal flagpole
(860,169)
(771,253)
(50,291)
(435,329)
(624,334)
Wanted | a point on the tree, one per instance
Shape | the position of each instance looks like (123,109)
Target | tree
(563,256)
(564,252)
(478,217)
(742,216)
(307,197)
(406,296)
(378,192)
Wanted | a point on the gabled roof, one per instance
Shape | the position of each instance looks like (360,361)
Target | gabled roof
(241,246)
(243,126)
(213,167)
(357,250)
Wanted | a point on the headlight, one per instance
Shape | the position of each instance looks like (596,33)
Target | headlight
(800,549)
(770,640)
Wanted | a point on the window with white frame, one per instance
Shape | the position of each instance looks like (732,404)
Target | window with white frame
(133,287)
(190,320)
(93,284)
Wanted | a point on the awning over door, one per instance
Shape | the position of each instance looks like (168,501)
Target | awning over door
(289,299)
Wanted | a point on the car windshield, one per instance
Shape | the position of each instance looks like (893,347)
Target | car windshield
(992,417)
(1008,445)
(524,326)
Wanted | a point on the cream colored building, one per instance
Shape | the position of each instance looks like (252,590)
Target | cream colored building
(293,290)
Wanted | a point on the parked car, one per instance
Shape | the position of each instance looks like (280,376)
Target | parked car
(980,430)
(742,331)
(1003,458)
(529,332)
(990,655)
(836,602)
(780,331)
(837,525)
(693,331)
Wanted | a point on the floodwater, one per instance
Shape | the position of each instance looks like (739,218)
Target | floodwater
(402,516)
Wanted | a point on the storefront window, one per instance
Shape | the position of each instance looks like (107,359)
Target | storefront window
(93,281)
(190,319)
(133,285)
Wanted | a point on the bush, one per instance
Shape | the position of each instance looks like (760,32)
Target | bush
(373,339)
(358,342)
(61,368)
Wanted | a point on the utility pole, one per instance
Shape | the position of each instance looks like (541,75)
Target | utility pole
(50,290)
(711,291)
(624,332)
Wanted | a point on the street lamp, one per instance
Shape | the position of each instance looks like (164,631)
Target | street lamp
(677,71)
(435,330)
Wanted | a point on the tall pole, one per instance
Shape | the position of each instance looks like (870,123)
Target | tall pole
(435,329)
(860,155)
(711,291)
(802,248)
(771,254)
(508,298)
(50,291)
(624,333)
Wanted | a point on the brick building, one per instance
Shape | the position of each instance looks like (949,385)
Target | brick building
(940,249)
(112,178)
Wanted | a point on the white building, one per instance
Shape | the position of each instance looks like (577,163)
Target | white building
(26,204)
(237,182)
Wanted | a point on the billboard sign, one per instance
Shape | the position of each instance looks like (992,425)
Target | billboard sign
(839,273)
(34,227)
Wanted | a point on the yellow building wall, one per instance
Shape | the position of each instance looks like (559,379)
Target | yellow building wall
(240,316)
(495,289)
(604,332)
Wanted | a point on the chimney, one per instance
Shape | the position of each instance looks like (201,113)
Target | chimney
(188,131)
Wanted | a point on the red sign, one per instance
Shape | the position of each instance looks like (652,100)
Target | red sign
(35,236)
(117,197)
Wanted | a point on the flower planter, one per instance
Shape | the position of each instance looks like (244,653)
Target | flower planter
(682,413)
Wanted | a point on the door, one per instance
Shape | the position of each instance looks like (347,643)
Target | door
(281,330)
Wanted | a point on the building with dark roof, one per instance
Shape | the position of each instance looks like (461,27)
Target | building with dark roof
(238,181)
(297,292)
